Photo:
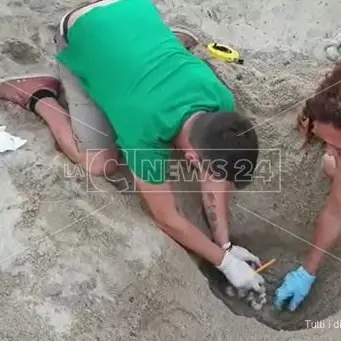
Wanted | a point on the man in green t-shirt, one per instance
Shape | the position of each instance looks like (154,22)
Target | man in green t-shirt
(132,85)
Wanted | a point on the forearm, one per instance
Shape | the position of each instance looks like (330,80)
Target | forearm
(216,209)
(190,237)
(162,206)
(327,232)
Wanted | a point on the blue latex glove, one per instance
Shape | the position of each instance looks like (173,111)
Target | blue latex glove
(295,288)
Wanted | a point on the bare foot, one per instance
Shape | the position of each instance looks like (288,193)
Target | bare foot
(19,91)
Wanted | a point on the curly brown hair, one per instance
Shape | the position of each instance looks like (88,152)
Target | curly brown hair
(325,106)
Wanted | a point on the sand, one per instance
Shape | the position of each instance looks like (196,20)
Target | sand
(80,261)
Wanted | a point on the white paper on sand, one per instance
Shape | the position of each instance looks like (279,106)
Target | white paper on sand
(8,141)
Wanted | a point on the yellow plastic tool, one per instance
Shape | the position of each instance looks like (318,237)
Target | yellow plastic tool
(265,266)
(225,53)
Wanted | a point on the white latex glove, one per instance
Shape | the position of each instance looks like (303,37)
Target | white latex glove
(242,254)
(240,274)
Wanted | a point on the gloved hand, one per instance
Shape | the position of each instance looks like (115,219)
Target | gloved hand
(242,254)
(240,274)
(295,287)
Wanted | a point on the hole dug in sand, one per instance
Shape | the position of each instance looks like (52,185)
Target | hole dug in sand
(281,228)
(280,225)
(324,299)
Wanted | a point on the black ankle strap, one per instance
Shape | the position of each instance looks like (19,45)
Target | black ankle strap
(37,96)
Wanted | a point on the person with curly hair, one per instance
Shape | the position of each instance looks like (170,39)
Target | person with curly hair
(320,119)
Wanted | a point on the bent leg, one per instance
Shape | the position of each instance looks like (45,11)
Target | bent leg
(24,92)
(92,136)
(99,162)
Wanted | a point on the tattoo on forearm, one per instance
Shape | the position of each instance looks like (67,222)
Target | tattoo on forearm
(210,208)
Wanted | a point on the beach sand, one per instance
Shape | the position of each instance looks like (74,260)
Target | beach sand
(79,261)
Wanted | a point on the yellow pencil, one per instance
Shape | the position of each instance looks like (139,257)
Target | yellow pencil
(265,266)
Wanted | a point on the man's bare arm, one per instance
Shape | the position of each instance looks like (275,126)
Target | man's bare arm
(216,202)
(328,227)
(161,203)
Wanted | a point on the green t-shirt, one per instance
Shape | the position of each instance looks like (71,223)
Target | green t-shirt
(146,82)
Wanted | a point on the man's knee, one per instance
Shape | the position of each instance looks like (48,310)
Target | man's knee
(101,163)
